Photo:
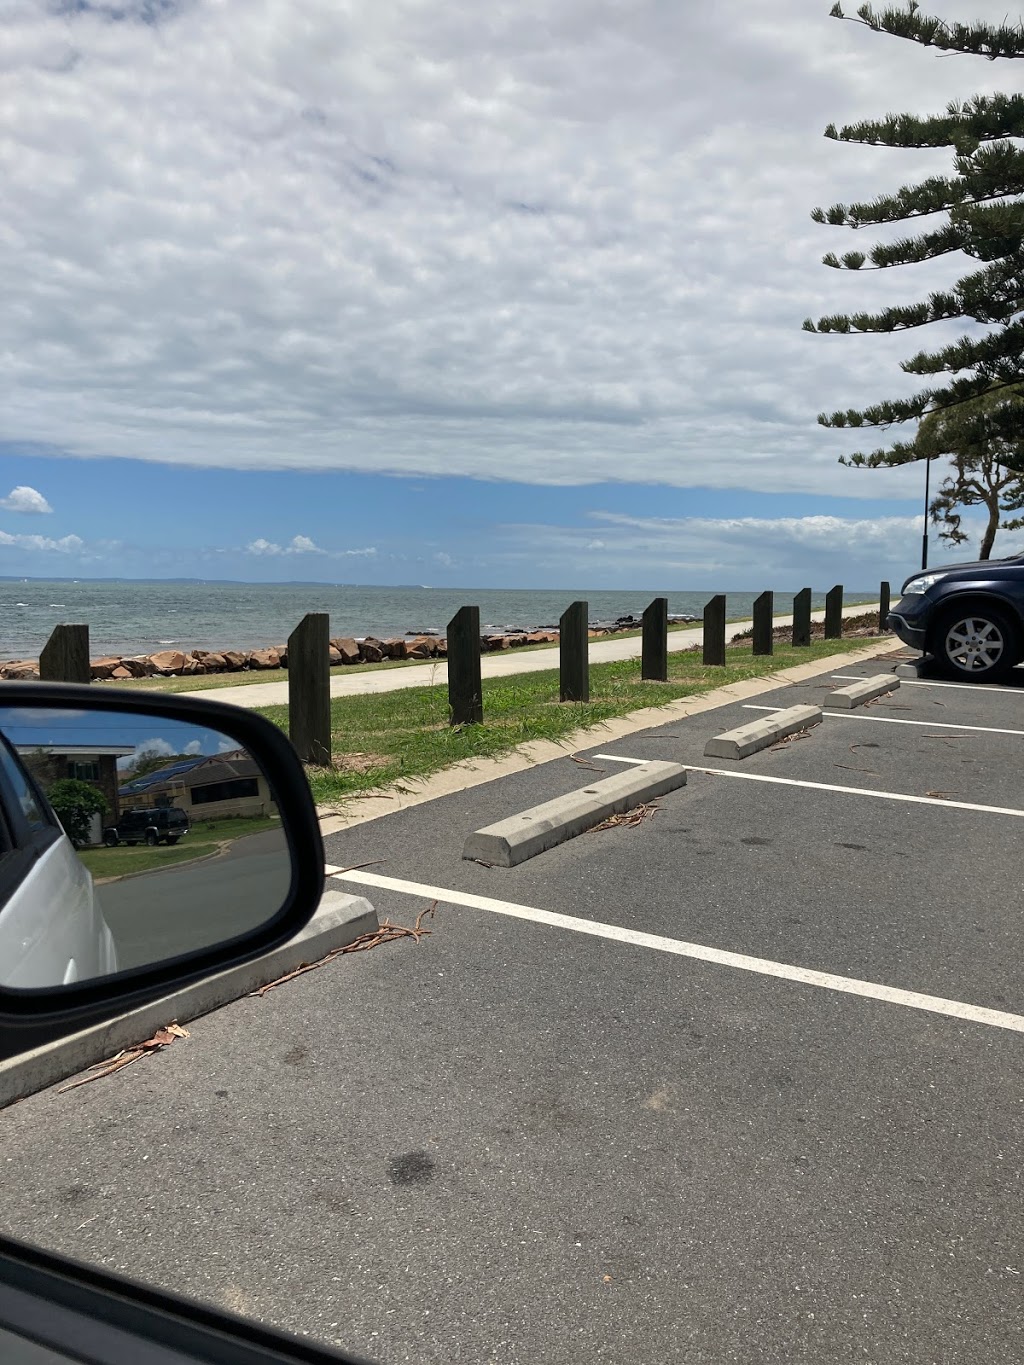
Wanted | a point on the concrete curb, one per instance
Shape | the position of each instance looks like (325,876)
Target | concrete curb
(916,669)
(476,772)
(522,836)
(758,734)
(339,920)
(846,698)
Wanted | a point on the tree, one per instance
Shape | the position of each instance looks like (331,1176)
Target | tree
(987,469)
(984,219)
(75,803)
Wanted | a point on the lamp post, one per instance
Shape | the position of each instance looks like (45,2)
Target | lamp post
(924,534)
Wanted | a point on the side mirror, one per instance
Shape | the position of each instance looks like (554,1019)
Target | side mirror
(145,841)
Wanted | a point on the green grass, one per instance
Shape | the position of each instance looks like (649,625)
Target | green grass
(205,836)
(104,863)
(405,734)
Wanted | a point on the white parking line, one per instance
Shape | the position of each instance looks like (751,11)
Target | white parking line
(854,791)
(617,758)
(784,971)
(923,682)
(895,720)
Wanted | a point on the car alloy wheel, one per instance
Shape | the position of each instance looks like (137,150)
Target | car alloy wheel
(979,644)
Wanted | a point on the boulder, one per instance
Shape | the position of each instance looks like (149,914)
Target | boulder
(371,651)
(542,637)
(263,658)
(394,648)
(334,655)
(193,666)
(233,660)
(141,667)
(122,672)
(419,649)
(213,661)
(20,670)
(348,649)
(104,668)
(167,661)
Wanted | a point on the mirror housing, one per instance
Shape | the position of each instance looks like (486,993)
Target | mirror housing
(30,1017)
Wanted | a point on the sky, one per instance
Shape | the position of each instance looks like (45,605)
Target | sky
(28,727)
(434,291)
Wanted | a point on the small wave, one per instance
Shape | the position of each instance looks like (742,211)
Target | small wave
(58,604)
(167,642)
(21,604)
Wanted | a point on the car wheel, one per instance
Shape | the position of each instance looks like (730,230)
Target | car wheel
(110,839)
(173,838)
(152,838)
(980,644)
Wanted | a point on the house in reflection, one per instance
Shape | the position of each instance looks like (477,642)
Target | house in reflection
(217,787)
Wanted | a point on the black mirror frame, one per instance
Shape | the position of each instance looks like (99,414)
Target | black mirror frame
(65,1009)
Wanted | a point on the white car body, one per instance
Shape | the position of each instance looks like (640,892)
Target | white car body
(52,930)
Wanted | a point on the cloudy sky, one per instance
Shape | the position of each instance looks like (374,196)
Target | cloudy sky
(435,291)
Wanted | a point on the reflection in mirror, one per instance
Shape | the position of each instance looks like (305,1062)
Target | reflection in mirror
(127,839)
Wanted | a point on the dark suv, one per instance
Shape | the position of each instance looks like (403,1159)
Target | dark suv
(970,617)
(161,825)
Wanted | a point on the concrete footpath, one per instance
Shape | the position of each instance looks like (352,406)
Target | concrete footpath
(434,672)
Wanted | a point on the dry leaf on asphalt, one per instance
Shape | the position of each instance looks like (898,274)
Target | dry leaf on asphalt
(162,1038)
(629,818)
(384,933)
(942,796)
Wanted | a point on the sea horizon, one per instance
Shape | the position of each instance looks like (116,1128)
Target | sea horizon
(142,615)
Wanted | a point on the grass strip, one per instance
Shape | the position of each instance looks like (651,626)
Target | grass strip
(384,737)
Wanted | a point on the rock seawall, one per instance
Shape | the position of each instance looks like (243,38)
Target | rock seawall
(175,663)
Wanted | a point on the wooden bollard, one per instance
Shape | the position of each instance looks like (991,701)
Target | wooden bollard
(764,614)
(465,688)
(65,656)
(802,618)
(834,613)
(654,650)
(573,654)
(309,689)
(714,631)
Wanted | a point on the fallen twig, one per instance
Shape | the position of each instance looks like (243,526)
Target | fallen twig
(384,933)
(161,1039)
(629,818)
(586,763)
(356,867)
(789,739)
(942,796)
(850,768)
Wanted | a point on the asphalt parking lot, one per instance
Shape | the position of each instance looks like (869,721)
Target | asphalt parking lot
(741,1082)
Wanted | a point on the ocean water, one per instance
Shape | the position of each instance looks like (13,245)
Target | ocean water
(138,617)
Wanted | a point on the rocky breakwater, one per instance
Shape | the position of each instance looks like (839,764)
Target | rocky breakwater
(175,663)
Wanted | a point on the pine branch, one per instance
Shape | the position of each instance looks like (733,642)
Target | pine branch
(998,357)
(992,172)
(978,40)
(995,294)
(897,410)
(983,118)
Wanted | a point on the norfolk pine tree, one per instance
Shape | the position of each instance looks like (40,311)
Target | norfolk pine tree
(983,217)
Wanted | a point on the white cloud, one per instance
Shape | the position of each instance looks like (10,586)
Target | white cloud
(549,240)
(298,545)
(146,748)
(65,545)
(741,553)
(194,746)
(25,499)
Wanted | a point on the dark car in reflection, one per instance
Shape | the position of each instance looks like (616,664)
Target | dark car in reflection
(157,825)
(969,617)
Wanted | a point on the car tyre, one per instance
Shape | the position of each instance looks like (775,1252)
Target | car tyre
(152,838)
(110,838)
(976,644)
(173,838)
